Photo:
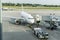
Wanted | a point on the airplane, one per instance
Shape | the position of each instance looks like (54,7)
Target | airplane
(23,18)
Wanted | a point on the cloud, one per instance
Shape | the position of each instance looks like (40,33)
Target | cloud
(54,2)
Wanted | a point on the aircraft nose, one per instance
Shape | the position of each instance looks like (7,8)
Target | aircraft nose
(32,21)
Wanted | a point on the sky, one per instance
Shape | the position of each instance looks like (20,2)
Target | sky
(48,2)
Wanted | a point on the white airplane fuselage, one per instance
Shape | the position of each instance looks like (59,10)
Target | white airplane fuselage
(28,18)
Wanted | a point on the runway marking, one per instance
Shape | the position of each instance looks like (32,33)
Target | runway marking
(24,30)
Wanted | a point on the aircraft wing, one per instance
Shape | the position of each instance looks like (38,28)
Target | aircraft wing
(9,18)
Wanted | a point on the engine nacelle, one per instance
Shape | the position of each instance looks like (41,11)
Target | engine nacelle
(17,21)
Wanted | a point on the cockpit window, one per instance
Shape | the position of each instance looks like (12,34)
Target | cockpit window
(30,18)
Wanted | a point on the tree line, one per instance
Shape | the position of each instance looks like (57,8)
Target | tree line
(28,4)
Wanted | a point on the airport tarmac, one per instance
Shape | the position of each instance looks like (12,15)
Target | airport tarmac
(20,32)
(40,12)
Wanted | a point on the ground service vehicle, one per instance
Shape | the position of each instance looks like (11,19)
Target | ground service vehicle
(40,33)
